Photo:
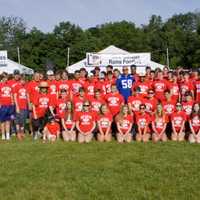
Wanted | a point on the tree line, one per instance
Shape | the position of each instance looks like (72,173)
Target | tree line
(39,50)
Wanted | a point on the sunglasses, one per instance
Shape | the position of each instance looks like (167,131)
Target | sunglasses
(142,108)
(86,105)
(151,93)
(178,105)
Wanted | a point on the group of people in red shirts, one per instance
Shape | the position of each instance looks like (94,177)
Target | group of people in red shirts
(158,105)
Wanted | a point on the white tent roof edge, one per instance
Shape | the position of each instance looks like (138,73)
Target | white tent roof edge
(12,65)
(110,50)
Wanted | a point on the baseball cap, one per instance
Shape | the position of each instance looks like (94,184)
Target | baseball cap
(50,73)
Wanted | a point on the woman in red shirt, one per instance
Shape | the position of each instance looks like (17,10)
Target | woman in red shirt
(178,119)
(143,120)
(104,121)
(194,122)
(124,121)
(68,124)
(51,130)
(159,123)
(85,123)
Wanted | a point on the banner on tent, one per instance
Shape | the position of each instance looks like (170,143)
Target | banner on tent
(139,59)
(3,58)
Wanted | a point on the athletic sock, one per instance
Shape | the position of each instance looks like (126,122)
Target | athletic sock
(3,136)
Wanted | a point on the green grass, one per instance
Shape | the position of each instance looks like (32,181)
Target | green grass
(32,170)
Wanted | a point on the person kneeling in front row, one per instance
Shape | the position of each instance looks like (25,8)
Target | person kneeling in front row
(85,123)
(51,130)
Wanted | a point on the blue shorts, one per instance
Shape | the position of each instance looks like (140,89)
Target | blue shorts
(5,113)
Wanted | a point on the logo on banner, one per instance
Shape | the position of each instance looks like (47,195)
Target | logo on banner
(140,59)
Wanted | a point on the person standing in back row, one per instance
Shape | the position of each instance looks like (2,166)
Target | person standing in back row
(124,83)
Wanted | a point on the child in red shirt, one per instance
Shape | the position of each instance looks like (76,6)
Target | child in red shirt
(51,130)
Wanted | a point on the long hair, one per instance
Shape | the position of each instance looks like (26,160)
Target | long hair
(121,115)
(69,113)
(194,112)
(159,114)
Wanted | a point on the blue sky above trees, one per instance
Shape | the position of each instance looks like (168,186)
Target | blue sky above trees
(45,14)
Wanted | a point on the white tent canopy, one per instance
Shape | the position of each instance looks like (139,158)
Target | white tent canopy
(111,50)
(11,66)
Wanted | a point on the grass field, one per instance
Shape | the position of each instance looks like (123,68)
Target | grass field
(32,170)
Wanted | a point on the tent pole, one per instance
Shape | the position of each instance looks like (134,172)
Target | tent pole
(18,55)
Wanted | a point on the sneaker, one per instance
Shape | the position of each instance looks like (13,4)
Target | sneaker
(7,136)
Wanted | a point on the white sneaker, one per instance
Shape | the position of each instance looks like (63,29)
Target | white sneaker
(7,136)
(35,136)
(3,137)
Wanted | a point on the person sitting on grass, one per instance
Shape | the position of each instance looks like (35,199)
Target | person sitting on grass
(68,124)
(124,121)
(85,123)
(104,121)
(143,120)
(178,119)
(159,123)
(194,122)
(51,130)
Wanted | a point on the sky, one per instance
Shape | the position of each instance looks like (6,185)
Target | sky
(45,14)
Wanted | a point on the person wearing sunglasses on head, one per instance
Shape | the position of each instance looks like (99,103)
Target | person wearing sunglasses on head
(143,120)
(178,119)
(124,121)
(159,124)
(85,123)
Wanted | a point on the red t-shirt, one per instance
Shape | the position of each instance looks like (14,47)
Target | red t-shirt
(169,107)
(159,87)
(5,94)
(21,96)
(125,123)
(64,84)
(174,88)
(195,122)
(78,103)
(60,105)
(159,123)
(114,101)
(86,120)
(186,86)
(150,104)
(135,102)
(69,120)
(96,104)
(104,121)
(75,85)
(197,90)
(187,108)
(53,128)
(144,87)
(143,120)
(33,89)
(178,118)
(89,87)
(41,102)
